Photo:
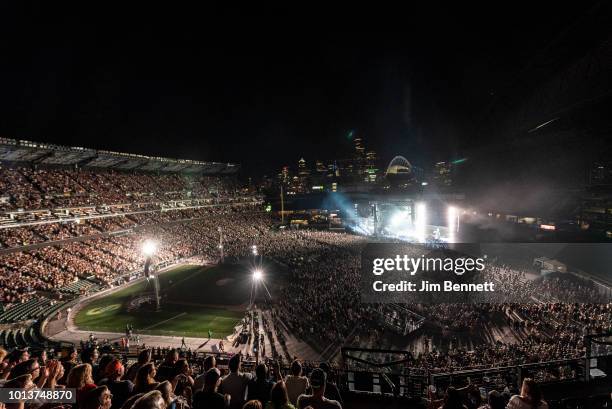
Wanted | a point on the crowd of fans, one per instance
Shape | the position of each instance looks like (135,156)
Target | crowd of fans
(318,302)
(109,381)
(179,234)
(32,188)
(171,378)
(82,247)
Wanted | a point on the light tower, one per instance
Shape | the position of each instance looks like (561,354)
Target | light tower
(258,278)
(221,255)
(149,247)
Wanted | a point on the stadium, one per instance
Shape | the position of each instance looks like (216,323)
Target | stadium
(105,255)
(441,241)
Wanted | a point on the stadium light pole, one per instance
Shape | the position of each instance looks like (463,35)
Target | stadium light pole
(255,254)
(257,276)
(221,255)
(149,248)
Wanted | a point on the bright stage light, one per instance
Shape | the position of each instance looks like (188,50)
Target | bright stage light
(421,222)
(257,275)
(398,218)
(149,247)
(453,223)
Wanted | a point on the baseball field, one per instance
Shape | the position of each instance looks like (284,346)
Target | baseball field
(194,300)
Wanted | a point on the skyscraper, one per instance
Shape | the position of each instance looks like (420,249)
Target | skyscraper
(442,174)
(303,176)
(284,175)
(359,148)
(302,168)
(320,167)
(371,167)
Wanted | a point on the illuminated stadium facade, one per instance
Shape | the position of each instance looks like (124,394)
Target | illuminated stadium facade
(400,174)
(399,166)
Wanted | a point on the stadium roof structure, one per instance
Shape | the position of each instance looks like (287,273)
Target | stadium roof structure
(14,150)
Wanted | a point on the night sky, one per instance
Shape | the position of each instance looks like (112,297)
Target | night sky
(266,86)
